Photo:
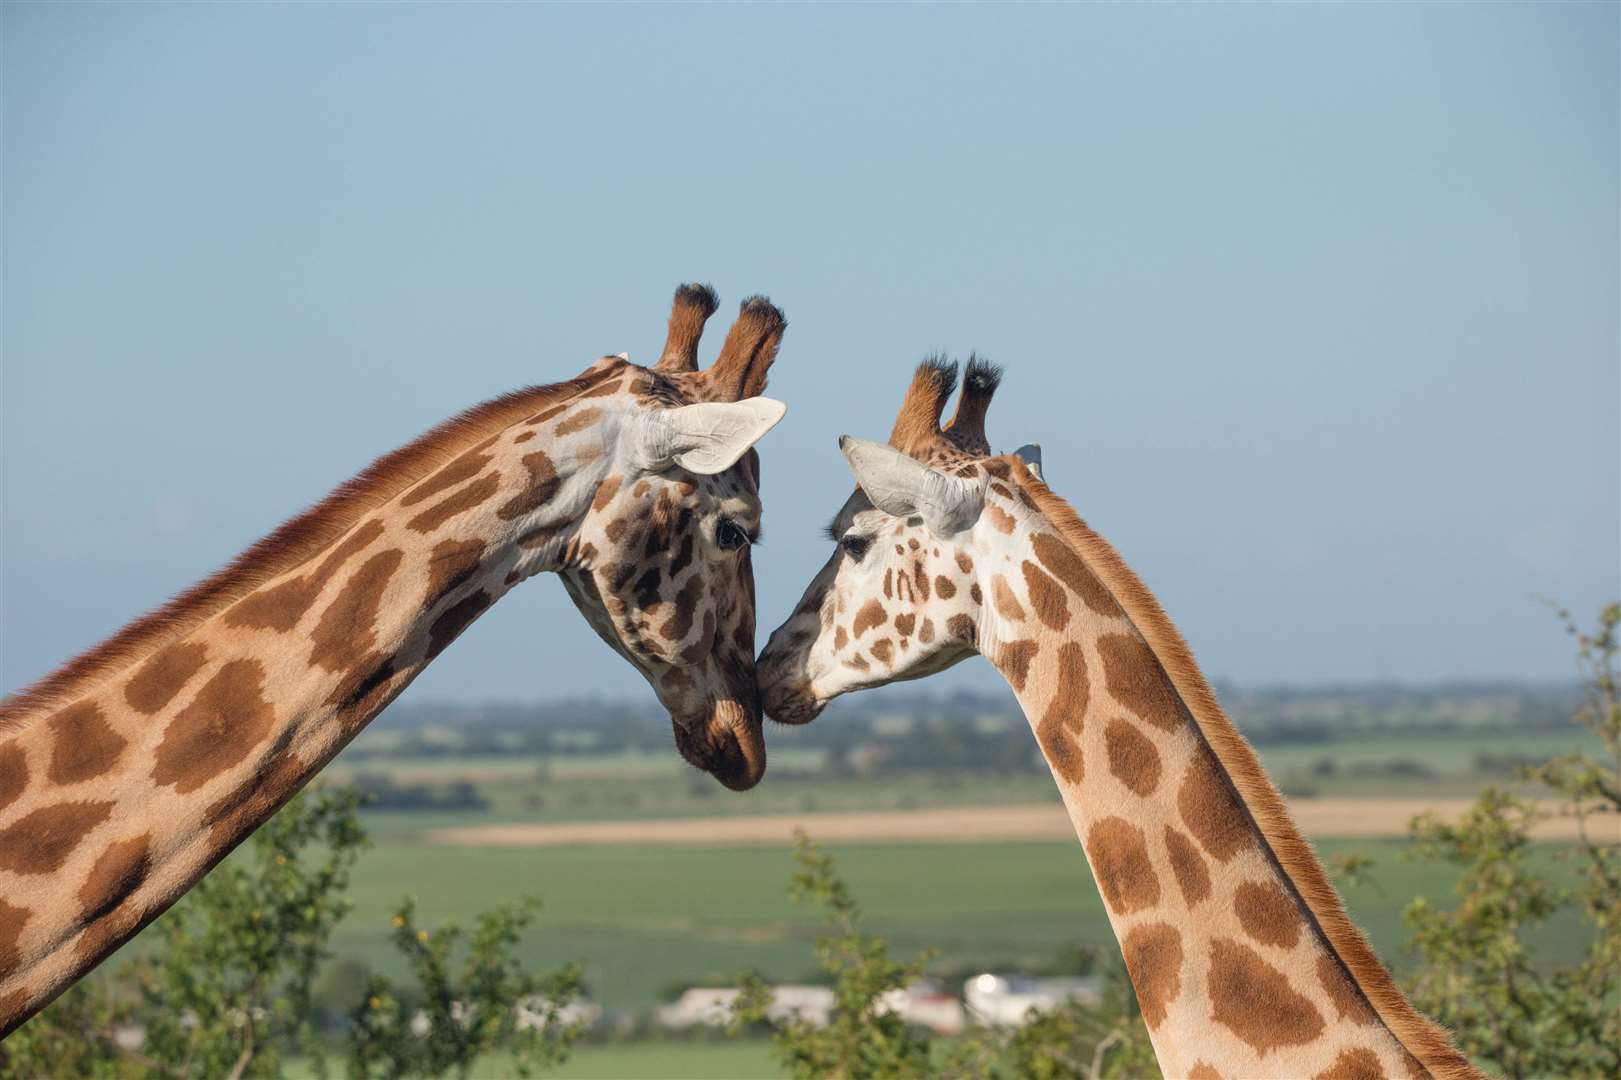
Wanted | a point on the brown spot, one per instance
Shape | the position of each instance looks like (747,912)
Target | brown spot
(355,694)
(1153,954)
(1188,866)
(961,628)
(1356,1064)
(606,492)
(871,614)
(1138,682)
(904,624)
(223,723)
(641,489)
(456,618)
(611,386)
(998,469)
(579,421)
(548,414)
(280,607)
(450,566)
(1267,914)
(543,484)
(13,772)
(943,588)
(1210,810)
(40,842)
(913,544)
(1348,1001)
(83,744)
(1000,518)
(474,494)
(926,633)
(703,644)
(1014,662)
(1045,596)
(1002,490)
(1120,862)
(117,873)
(858,662)
(679,624)
(1132,757)
(1060,729)
(464,468)
(677,680)
(1202,1071)
(1253,999)
(920,579)
(964,563)
(883,651)
(889,593)
(525,437)
(977,596)
(12,921)
(1067,566)
(1007,605)
(683,556)
(840,638)
(158,680)
(345,631)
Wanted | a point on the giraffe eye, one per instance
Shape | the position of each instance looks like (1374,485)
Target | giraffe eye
(854,546)
(729,536)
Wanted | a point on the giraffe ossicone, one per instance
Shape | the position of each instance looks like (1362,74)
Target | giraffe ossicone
(131,770)
(1240,952)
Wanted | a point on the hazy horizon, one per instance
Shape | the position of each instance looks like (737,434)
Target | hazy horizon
(1313,309)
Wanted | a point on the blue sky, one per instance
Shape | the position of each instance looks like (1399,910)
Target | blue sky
(1313,308)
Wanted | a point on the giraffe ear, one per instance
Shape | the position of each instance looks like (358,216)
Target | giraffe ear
(1030,454)
(709,437)
(902,486)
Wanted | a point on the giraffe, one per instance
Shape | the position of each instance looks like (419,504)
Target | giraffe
(129,772)
(1239,950)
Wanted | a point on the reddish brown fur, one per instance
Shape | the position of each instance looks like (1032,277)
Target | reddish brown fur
(1427,1042)
(294,543)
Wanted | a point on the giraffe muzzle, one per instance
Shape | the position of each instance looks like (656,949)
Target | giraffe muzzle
(728,744)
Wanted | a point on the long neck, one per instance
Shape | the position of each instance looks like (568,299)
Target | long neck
(130,778)
(1241,955)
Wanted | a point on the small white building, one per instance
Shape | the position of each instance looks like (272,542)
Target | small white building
(1008,1000)
(712,1006)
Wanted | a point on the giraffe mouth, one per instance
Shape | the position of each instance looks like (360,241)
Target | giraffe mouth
(792,703)
(728,745)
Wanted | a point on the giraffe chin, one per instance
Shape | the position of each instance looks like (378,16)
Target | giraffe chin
(727,745)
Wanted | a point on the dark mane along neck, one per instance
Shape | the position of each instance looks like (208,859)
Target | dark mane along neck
(1422,1038)
(292,544)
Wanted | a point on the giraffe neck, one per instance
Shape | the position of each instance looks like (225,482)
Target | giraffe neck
(133,778)
(1242,959)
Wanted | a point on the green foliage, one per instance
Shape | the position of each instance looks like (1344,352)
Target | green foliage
(451,1019)
(866,1040)
(1511,1014)
(223,984)
(863,1039)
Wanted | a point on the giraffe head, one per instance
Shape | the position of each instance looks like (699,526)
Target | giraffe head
(919,552)
(659,560)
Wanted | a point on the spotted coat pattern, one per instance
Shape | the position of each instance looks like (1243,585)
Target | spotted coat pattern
(1233,976)
(121,788)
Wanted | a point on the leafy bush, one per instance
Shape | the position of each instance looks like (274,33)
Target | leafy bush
(223,984)
(865,1040)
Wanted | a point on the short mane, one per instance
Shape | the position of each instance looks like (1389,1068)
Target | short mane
(1424,1039)
(291,545)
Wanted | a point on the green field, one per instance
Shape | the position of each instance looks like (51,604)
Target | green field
(644,920)
(640,786)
